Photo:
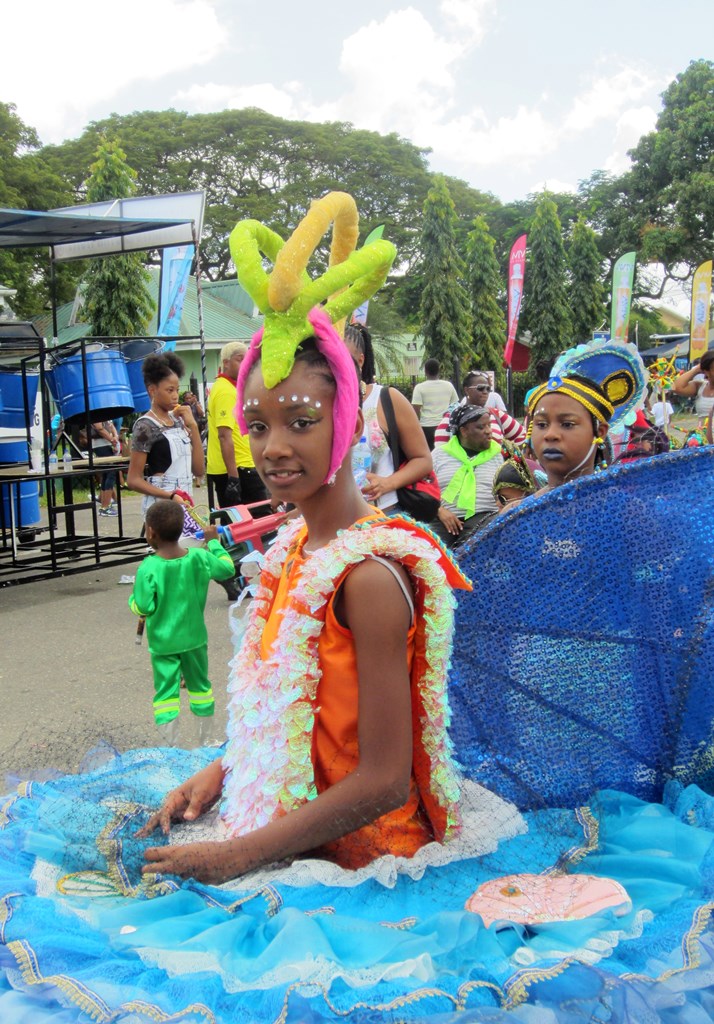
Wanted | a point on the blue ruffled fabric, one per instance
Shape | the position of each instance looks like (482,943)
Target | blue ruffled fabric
(197,953)
(582,662)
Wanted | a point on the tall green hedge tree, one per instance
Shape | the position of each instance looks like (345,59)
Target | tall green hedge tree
(116,299)
(445,314)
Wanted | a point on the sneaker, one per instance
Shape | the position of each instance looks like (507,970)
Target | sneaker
(108,511)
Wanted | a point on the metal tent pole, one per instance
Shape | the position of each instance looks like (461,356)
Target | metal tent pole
(199,303)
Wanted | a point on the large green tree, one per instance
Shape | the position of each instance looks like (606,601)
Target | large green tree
(664,206)
(446,319)
(483,282)
(27,183)
(116,300)
(586,293)
(672,178)
(545,303)
(252,164)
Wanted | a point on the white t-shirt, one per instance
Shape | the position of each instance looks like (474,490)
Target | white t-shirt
(434,397)
(662,412)
(494,401)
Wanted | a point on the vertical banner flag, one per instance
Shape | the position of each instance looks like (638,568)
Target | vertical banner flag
(699,320)
(175,269)
(623,276)
(360,314)
(516,355)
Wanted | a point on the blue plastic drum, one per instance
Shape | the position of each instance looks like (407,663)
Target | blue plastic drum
(108,385)
(13,448)
(135,352)
(12,402)
(25,496)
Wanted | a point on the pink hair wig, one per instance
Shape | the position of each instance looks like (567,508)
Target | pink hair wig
(346,404)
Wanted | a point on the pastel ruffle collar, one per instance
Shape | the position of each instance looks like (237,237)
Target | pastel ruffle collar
(273,701)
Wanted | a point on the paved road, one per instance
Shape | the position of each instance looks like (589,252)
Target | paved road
(72,675)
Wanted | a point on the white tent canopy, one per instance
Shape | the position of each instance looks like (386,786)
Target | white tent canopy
(175,219)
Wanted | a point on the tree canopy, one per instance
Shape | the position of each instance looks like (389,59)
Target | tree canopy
(26,183)
(446,319)
(116,300)
(585,292)
(488,331)
(545,303)
(253,164)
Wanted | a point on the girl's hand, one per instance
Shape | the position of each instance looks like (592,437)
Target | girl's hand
(450,520)
(212,863)
(376,486)
(210,532)
(188,801)
(184,413)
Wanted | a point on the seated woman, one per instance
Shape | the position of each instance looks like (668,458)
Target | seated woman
(465,469)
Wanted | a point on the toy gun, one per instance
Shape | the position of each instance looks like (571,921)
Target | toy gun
(245,529)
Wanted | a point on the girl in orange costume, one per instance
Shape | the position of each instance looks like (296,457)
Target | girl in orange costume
(337,740)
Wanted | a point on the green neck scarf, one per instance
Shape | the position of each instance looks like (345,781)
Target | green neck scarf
(462,488)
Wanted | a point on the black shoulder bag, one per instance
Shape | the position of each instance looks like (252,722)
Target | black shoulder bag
(421,499)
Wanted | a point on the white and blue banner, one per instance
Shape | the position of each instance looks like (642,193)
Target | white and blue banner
(175,269)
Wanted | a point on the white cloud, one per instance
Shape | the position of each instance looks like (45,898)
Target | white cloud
(80,57)
(469,17)
(552,185)
(524,137)
(606,97)
(396,70)
(209,97)
(629,128)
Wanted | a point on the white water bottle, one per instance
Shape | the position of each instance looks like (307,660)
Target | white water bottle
(54,466)
(361,461)
(67,459)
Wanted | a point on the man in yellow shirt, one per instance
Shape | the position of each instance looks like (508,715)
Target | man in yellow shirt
(230,467)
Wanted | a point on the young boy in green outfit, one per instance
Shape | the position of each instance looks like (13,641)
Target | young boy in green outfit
(170,589)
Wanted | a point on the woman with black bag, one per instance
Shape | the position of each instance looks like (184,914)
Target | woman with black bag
(402,478)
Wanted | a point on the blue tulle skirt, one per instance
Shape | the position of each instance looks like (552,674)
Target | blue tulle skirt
(84,937)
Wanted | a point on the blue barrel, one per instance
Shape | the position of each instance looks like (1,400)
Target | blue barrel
(12,402)
(25,495)
(135,352)
(13,448)
(108,385)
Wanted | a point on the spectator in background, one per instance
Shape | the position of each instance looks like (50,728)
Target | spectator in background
(495,401)
(699,381)
(105,444)
(230,468)
(188,398)
(466,468)
(477,389)
(431,398)
(662,411)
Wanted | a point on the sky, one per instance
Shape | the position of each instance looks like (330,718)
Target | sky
(510,95)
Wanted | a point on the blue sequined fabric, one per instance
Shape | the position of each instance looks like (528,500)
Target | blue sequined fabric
(585,659)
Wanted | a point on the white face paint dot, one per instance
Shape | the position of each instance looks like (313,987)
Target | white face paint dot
(318,405)
(281,398)
(293,398)
(306,399)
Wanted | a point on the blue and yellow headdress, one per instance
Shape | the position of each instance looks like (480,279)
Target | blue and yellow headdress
(607,378)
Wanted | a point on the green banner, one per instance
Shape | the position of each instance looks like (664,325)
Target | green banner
(623,275)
